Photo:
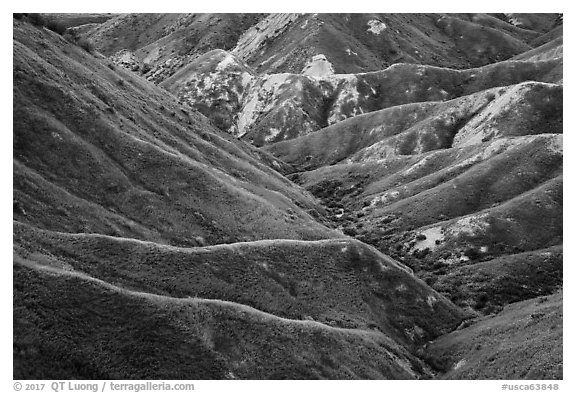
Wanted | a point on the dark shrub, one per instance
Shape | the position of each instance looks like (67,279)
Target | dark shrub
(85,44)
(36,19)
(481,301)
(422,254)
(438,265)
(472,253)
(350,231)
(145,68)
(56,26)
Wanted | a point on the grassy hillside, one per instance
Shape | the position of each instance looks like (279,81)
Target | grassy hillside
(351,43)
(434,210)
(487,286)
(163,43)
(525,109)
(360,95)
(101,331)
(523,341)
(367,42)
(418,232)
(186,32)
(109,170)
(549,50)
(336,62)
(233,306)
(347,284)
(90,137)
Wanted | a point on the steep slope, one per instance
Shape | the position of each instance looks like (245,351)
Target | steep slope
(354,43)
(453,188)
(495,283)
(160,44)
(214,84)
(549,36)
(435,209)
(416,128)
(524,341)
(542,22)
(348,43)
(276,107)
(132,31)
(63,21)
(226,311)
(293,74)
(348,284)
(111,174)
(177,250)
(550,50)
(136,32)
(106,332)
(460,167)
(97,149)
(481,45)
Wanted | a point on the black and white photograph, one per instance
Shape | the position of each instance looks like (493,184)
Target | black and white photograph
(286,196)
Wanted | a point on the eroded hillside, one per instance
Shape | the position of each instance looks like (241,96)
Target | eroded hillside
(106,162)
(406,200)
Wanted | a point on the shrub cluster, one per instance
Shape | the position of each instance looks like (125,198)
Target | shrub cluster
(85,44)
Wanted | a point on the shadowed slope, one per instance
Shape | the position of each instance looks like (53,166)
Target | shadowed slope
(233,306)
(524,109)
(318,62)
(86,135)
(106,332)
(489,285)
(349,43)
(547,51)
(148,243)
(275,107)
(435,209)
(346,284)
(524,341)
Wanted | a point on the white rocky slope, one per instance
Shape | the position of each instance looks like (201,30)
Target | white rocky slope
(270,108)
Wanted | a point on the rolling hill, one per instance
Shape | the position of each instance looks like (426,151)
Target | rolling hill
(287,196)
(106,162)
(506,345)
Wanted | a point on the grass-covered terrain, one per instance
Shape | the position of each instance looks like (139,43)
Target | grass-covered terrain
(163,43)
(401,223)
(113,170)
(70,326)
(465,189)
(523,341)
(99,149)
(433,57)
(353,43)
(488,286)
(274,108)
(415,128)
(432,210)
(342,283)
